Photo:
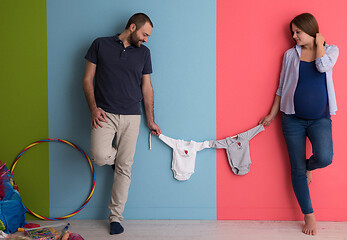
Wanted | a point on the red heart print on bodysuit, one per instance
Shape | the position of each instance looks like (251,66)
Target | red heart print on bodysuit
(239,144)
(186,151)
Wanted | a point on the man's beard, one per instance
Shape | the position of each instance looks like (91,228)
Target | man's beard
(133,40)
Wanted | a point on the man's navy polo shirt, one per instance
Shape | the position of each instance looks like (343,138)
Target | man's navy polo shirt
(118,74)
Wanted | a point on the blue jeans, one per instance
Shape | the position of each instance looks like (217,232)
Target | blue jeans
(295,131)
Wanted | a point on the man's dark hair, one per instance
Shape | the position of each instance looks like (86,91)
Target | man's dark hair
(139,19)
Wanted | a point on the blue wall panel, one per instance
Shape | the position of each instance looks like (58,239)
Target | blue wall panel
(183,47)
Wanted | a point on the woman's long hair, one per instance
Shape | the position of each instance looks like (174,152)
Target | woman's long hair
(307,23)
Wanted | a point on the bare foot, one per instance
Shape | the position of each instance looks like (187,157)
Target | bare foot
(309,177)
(310,227)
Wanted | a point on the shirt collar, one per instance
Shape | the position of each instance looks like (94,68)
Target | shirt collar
(298,50)
(116,39)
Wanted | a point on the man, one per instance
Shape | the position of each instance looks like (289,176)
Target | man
(121,67)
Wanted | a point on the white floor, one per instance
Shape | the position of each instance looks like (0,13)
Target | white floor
(203,230)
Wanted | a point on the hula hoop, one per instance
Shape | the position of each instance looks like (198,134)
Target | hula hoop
(74,146)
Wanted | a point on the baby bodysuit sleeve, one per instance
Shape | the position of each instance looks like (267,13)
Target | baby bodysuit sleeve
(198,146)
(218,144)
(253,132)
(169,141)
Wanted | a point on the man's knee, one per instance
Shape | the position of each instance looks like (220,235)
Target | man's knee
(102,158)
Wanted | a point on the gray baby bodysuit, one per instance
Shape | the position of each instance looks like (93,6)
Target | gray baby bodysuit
(238,149)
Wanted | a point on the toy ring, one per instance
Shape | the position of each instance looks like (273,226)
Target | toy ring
(74,146)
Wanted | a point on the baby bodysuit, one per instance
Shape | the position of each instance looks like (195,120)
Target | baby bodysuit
(238,149)
(183,155)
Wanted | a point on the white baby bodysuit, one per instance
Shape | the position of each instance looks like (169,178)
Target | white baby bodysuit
(183,155)
(238,149)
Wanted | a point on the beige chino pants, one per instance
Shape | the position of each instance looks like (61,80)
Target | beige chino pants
(126,130)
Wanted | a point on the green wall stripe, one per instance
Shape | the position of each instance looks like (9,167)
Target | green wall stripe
(24,97)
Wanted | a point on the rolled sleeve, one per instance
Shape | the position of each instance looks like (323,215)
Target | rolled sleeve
(328,60)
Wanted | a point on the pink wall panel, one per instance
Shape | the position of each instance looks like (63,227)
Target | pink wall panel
(252,36)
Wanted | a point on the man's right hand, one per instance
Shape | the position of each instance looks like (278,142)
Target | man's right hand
(98,116)
(155,129)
